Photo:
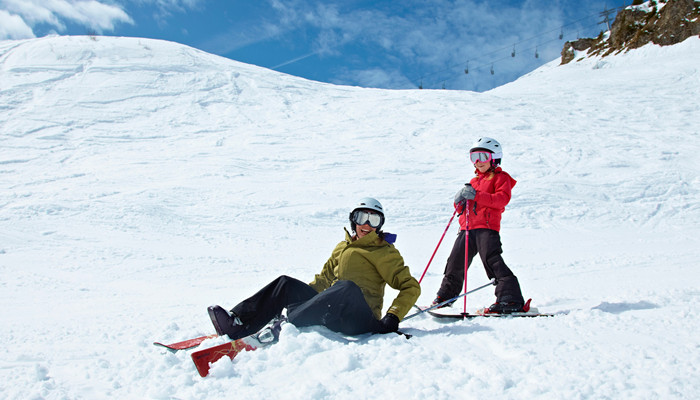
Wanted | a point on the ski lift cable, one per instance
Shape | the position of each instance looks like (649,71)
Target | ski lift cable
(560,28)
(474,67)
(483,65)
(546,33)
(488,65)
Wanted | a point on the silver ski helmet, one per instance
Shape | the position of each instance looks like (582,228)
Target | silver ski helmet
(367,203)
(489,144)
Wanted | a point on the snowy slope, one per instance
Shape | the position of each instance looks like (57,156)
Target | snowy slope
(141,181)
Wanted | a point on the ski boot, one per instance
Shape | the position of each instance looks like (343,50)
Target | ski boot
(439,300)
(505,308)
(225,323)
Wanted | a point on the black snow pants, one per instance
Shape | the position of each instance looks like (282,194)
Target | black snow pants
(341,308)
(487,243)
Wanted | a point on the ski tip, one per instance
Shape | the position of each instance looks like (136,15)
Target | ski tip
(164,346)
(526,307)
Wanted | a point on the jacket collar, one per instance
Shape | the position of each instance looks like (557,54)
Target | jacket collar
(493,170)
(369,239)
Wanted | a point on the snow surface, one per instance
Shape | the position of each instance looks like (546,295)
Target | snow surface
(141,181)
(648,6)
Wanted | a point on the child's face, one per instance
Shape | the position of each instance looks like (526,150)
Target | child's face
(482,166)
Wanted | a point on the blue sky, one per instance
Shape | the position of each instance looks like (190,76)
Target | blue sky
(382,44)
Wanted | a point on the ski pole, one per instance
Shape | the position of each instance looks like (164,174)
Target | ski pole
(466,250)
(438,246)
(492,282)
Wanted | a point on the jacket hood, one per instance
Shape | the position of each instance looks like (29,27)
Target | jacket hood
(497,170)
(370,239)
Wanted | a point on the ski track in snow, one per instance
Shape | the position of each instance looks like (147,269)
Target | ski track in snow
(142,181)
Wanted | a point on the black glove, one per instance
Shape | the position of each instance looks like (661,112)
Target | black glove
(388,324)
(465,193)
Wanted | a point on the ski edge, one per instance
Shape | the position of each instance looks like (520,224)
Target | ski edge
(185,344)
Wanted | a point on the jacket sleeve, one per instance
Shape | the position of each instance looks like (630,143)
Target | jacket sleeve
(397,275)
(327,277)
(503,184)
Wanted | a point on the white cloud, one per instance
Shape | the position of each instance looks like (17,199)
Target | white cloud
(376,77)
(164,9)
(13,27)
(232,40)
(97,15)
(435,36)
(25,15)
(175,5)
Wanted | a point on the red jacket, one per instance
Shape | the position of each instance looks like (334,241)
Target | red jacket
(492,195)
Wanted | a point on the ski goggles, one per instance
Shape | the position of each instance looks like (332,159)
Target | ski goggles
(483,156)
(362,217)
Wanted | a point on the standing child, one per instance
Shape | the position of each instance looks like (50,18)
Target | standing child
(486,197)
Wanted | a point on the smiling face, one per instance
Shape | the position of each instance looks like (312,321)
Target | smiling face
(366,221)
(482,166)
(482,159)
(364,230)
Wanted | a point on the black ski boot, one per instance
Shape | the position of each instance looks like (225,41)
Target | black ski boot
(505,308)
(439,300)
(225,323)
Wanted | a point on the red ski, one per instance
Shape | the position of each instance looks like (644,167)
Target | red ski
(185,344)
(267,336)
(203,358)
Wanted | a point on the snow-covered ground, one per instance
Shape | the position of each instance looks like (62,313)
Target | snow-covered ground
(141,181)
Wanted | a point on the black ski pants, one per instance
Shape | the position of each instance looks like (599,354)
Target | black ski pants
(341,308)
(487,243)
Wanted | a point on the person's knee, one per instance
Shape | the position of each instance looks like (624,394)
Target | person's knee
(288,280)
(347,286)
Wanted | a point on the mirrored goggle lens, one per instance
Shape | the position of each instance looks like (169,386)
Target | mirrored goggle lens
(363,217)
(482,156)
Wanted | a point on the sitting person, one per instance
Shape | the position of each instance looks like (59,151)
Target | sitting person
(346,297)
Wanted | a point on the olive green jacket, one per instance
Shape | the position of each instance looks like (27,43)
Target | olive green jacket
(371,263)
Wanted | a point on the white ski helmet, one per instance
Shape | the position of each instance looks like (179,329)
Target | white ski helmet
(489,144)
(368,203)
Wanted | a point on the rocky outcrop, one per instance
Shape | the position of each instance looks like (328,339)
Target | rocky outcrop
(658,22)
